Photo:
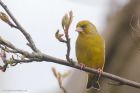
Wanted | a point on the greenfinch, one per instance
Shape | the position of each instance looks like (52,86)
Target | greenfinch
(90,50)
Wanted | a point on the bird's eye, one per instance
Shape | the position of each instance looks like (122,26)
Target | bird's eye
(83,26)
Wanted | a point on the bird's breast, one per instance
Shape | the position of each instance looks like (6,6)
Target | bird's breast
(90,51)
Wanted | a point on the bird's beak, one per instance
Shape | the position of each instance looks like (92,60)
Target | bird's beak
(79,29)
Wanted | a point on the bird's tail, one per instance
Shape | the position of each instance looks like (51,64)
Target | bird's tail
(93,81)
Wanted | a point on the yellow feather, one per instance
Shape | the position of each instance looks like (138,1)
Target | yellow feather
(90,48)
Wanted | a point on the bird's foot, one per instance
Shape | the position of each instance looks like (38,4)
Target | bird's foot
(100,71)
(82,66)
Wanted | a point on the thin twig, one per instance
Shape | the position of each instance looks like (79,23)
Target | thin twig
(64,90)
(66,22)
(18,26)
(68,49)
(10,45)
(59,78)
(66,30)
(27,60)
(8,50)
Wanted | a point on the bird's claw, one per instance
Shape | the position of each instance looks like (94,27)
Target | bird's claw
(100,71)
(81,66)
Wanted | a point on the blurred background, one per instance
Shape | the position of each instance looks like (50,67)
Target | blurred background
(116,20)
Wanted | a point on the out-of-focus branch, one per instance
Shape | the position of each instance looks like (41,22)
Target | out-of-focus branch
(59,78)
(18,26)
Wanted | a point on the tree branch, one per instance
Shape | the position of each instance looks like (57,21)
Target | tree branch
(66,22)
(20,28)
(43,57)
(14,49)
(121,80)
(59,78)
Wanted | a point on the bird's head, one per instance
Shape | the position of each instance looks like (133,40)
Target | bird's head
(85,27)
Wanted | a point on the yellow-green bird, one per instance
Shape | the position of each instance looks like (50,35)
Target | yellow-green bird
(90,50)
